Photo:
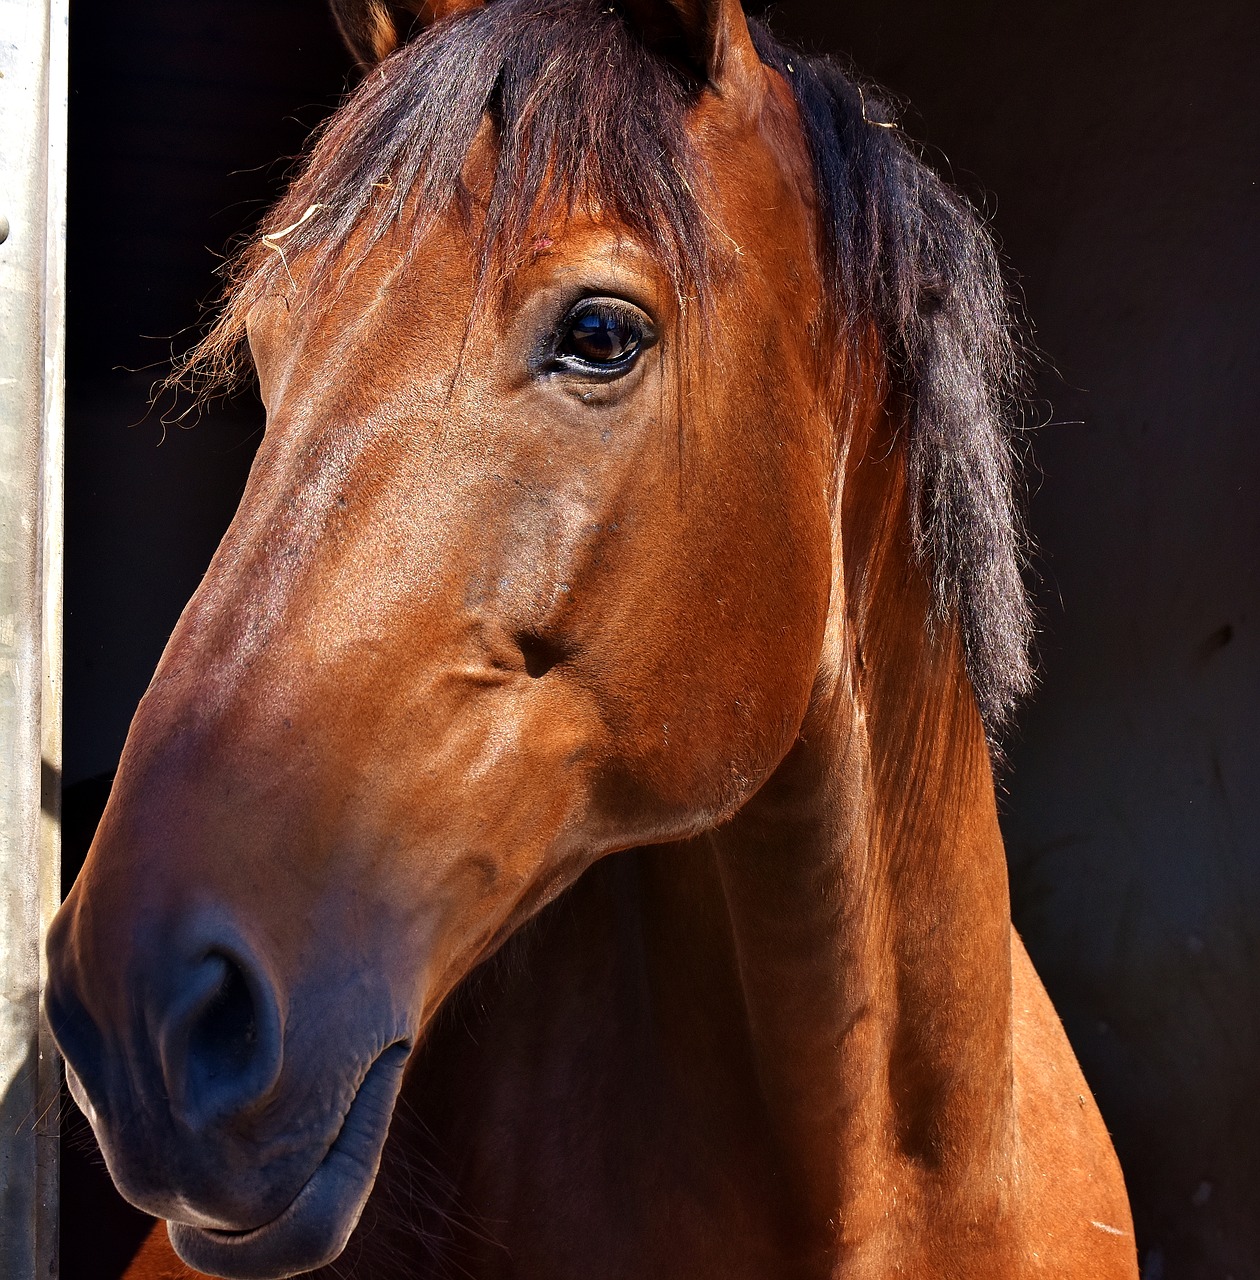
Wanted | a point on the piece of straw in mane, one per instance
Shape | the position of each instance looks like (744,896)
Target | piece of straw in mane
(583,112)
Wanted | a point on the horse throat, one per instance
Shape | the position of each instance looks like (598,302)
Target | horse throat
(799,1022)
(867,890)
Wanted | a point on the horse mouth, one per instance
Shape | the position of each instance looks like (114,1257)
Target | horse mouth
(313,1229)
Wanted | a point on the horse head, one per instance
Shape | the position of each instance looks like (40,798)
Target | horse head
(534,563)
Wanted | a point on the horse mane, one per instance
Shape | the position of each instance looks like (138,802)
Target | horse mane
(905,252)
(584,112)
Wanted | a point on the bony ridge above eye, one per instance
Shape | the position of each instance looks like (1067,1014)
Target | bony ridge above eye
(602,336)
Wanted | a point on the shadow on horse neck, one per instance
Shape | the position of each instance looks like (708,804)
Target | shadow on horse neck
(579,744)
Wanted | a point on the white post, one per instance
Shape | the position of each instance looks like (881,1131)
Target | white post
(32,262)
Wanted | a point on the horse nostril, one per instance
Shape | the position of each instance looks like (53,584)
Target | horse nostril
(221,1041)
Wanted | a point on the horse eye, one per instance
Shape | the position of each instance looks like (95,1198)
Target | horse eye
(601,336)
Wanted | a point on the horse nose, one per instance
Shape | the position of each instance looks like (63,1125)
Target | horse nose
(77,1035)
(219,1037)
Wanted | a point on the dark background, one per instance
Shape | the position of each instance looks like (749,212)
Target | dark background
(1117,149)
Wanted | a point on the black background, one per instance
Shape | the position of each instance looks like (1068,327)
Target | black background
(1117,150)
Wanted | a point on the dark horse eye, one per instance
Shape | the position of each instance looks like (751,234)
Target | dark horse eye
(601,335)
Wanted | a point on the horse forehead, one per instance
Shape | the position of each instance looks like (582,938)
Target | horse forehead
(405,303)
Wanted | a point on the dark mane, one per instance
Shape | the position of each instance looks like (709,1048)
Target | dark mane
(907,252)
(901,251)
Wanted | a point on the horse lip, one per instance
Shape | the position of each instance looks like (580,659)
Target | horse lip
(315,1225)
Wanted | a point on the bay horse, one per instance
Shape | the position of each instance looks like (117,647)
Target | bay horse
(559,839)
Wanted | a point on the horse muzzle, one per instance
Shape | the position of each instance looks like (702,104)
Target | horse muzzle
(222,1103)
(313,1229)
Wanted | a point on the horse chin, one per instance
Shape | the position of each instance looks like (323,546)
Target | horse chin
(315,1226)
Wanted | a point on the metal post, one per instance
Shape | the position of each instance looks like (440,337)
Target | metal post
(32,262)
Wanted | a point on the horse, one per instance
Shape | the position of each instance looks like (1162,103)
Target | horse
(560,837)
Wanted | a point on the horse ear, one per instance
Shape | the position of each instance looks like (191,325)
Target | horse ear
(711,36)
(373,29)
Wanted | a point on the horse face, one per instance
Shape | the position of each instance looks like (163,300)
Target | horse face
(502,595)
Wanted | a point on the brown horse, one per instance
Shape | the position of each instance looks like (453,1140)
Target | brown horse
(575,764)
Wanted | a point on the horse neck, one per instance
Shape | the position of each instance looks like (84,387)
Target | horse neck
(866,886)
(801,1019)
